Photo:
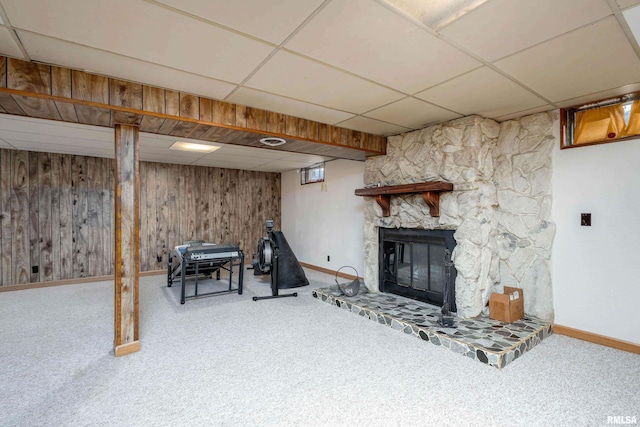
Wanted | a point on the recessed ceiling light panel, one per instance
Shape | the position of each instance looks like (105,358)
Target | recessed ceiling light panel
(190,146)
(435,13)
(272,141)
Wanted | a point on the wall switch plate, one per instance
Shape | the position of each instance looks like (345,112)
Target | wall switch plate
(585,219)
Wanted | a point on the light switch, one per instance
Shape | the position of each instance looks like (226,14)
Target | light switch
(585,219)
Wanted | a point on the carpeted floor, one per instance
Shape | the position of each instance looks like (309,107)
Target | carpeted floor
(230,361)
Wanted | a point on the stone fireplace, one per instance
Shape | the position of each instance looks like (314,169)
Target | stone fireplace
(499,207)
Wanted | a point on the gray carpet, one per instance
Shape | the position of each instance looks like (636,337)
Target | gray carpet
(228,360)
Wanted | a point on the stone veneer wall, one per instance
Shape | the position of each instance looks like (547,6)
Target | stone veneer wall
(500,206)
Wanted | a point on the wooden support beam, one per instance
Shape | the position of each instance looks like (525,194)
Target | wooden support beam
(58,93)
(127,236)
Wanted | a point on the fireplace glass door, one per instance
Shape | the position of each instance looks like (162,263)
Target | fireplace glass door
(417,264)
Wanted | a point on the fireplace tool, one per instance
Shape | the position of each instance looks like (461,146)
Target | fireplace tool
(348,289)
(446,318)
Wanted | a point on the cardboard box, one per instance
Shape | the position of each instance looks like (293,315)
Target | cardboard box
(507,307)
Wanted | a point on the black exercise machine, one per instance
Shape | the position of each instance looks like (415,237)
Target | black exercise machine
(275,257)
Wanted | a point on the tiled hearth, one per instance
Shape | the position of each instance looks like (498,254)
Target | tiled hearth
(488,341)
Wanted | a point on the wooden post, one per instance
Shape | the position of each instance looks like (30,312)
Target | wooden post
(127,233)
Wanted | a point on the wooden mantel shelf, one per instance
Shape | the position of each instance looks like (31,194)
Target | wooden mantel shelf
(430,194)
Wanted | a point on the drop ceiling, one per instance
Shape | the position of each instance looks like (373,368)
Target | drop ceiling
(378,66)
(25,133)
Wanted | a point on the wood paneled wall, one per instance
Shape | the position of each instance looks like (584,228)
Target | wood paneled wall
(56,213)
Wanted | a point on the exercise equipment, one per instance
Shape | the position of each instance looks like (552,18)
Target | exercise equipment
(196,258)
(275,257)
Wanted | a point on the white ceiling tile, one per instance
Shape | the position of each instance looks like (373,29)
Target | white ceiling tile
(307,158)
(28,125)
(271,20)
(142,30)
(370,40)
(272,169)
(632,16)
(81,150)
(167,158)
(623,4)
(5,144)
(212,162)
(264,153)
(435,13)
(235,159)
(594,58)
(296,77)
(411,113)
(279,104)
(166,152)
(8,45)
(598,96)
(524,113)
(288,164)
(48,50)
(45,140)
(366,124)
(484,92)
(501,27)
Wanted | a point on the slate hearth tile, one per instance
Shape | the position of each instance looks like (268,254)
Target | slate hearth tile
(493,358)
(503,342)
(484,342)
(459,347)
(482,356)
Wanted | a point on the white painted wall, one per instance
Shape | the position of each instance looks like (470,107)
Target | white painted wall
(596,270)
(326,220)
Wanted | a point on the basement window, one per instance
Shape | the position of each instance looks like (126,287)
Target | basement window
(610,120)
(312,174)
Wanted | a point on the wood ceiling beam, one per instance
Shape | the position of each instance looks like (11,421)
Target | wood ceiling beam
(57,93)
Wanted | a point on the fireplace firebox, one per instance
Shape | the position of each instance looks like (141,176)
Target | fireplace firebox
(417,264)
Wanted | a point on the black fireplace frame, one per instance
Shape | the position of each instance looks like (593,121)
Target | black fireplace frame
(408,235)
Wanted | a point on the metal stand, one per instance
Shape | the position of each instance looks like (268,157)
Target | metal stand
(210,267)
(274,282)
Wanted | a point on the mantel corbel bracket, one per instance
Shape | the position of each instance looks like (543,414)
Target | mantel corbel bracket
(432,199)
(384,200)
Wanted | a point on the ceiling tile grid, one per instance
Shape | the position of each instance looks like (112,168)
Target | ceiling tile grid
(590,59)
(270,20)
(378,66)
(484,92)
(24,133)
(8,44)
(499,28)
(355,34)
(294,76)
